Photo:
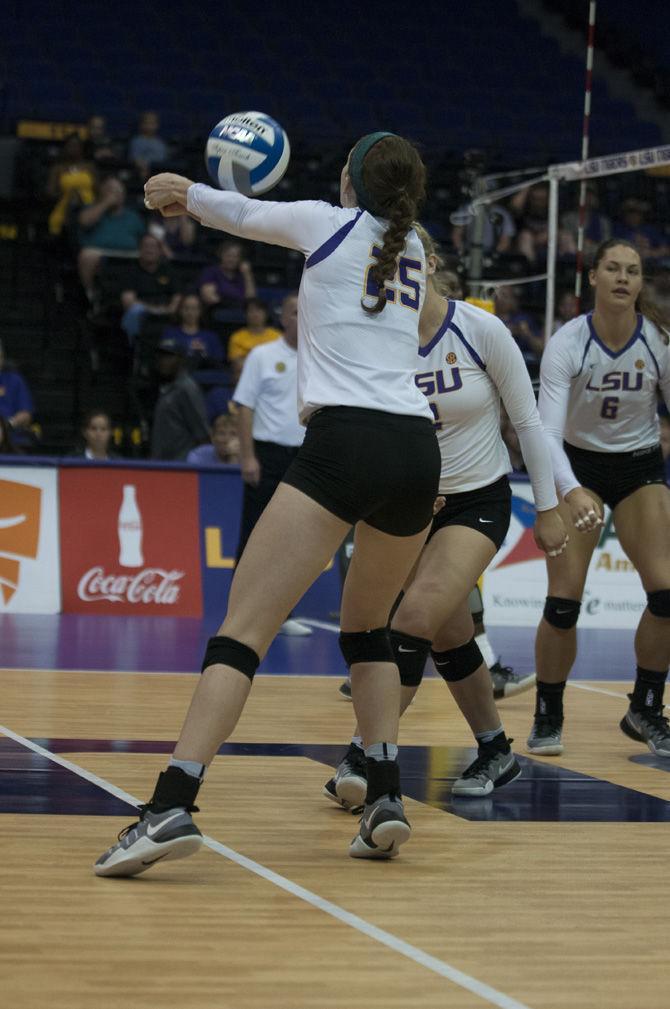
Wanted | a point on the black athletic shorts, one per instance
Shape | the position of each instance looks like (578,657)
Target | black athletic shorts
(486,509)
(368,464)
(615,475)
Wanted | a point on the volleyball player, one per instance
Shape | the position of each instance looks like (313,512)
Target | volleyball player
(469,363)
(369,457)
(600,378)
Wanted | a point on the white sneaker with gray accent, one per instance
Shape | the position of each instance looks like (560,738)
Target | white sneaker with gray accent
(545,737)
(155,837)
(507,683)
(490,770)
(383,828)
(650,727)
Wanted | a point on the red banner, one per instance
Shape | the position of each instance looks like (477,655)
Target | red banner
(130,542)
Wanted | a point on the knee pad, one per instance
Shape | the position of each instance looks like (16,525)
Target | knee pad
(658,603)
(457,663)
(229,652)
(561,613)
(410,654)
(366,646)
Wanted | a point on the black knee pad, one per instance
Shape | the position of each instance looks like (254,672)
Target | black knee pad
(229,652)
(410,654)
(457,663)
(366,646)
(658,603)
(561,613)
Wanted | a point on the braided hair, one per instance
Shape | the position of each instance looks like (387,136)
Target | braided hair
(393,179)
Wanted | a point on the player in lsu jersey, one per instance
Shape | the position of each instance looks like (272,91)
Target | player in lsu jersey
(468,363)
(600,378)
(370,457)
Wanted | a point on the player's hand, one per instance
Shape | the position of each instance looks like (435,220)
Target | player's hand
(585,512)
(251,470)
(165,190)
(550,533)
(439,503)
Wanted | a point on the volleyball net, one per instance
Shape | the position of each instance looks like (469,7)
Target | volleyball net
(627,188)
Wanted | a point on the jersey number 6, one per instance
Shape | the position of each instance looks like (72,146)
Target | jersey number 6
(610,407)
(409,289)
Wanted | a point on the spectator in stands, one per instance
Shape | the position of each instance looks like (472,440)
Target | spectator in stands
(566,309)
(7,446)
(256,332)
(633,226)
(96,434)
(98,147)
(659,286)
(521,324)
(107,227)
(146,149)
(16,403)
(228,284)
(219,400)
(150,288)
(499,229)
(179,423)
(177,235)
(71,183)
(203,348)
(531,206)
(225,445)
(597,227)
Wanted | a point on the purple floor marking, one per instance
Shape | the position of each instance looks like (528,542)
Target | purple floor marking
(170,644)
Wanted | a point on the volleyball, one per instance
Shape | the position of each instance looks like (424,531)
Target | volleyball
(248,152)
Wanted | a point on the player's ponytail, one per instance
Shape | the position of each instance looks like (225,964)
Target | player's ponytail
(389,179)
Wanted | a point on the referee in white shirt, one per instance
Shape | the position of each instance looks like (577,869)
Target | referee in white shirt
(268,427)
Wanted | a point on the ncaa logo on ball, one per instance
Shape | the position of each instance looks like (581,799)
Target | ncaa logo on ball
(247,152)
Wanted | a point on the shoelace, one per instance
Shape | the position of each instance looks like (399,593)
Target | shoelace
(545,725)
(507,672)
(143,809)
(658,721)
(483,760)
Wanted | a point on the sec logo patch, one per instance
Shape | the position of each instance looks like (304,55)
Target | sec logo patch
(280,366)
(451,357)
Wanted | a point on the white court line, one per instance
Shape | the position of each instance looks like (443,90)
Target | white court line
(471,984)
(324,625)
(597,690)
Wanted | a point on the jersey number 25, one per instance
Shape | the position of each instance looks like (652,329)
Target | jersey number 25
(409,290)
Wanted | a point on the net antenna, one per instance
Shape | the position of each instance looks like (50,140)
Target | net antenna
(586,125)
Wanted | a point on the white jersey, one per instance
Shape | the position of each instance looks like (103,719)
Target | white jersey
(472,363)
(600,400)
(346,357)
(268,386)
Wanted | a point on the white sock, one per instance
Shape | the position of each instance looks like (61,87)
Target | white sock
(382,751)
(357,741)
(485,648)
(191,767)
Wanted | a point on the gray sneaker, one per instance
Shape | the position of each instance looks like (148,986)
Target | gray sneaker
(506,682)
(650,727)
(349,786)
(545,737)
(383,828)
(154,838)
(490,770)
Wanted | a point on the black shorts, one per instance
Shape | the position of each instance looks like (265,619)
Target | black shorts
(486,509)
(368,464)
(615,475)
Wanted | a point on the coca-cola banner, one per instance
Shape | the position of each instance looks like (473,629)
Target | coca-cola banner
(130,542)
(29,573)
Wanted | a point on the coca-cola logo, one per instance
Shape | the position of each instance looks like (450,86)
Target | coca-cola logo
(152,585)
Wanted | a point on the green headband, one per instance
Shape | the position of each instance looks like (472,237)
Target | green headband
(365,201)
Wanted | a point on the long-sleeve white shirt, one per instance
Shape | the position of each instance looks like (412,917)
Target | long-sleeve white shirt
(598,399)
(470,365)
(346,357)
